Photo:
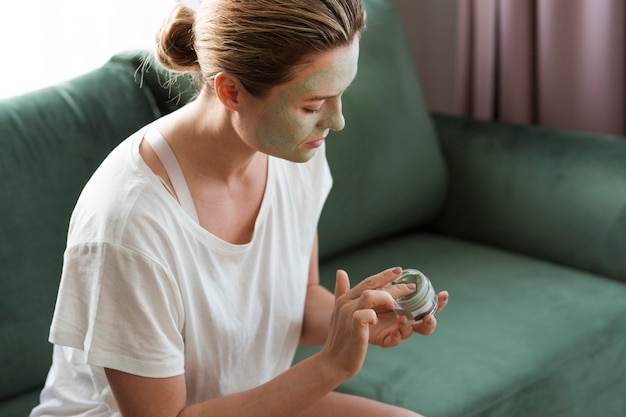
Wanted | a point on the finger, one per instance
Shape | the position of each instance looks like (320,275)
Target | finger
(376,281)
(400,290)
(373,299)
(406,330)
(342,283)
(427,326)
(402,332)
(442,299)
(392,339)
(365,317)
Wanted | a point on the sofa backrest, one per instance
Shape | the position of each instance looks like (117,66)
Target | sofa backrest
(50,143)
(387,167)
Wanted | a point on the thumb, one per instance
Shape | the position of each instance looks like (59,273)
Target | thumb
(342,283)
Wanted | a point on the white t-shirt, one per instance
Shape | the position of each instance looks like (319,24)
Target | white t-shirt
(148,291)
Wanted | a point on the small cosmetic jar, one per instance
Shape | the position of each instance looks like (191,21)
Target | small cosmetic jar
(421,302)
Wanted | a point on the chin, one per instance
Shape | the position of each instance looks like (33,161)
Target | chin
(300,156)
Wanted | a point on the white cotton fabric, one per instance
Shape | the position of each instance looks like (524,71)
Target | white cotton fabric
(148,291)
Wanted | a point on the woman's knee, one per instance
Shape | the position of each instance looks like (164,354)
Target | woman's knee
(401,412)
(345,405)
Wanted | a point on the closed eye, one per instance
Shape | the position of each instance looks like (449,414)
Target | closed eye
(312,111)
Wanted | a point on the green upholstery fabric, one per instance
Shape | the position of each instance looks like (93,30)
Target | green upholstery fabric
(520,337)
(20,405)
(524,226)
(168,91)
(551,194)
(388,176)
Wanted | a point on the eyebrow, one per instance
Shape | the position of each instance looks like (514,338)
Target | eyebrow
(320,98)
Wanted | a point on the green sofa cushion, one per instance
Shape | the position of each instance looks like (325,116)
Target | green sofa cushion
(553,194)
(388,171)
(50,143)
(520,337)
(20,405)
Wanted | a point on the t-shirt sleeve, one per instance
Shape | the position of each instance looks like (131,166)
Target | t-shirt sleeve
(122,309)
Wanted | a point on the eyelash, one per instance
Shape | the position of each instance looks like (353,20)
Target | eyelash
(309,111)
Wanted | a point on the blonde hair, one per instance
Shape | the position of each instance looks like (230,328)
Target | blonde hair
(258,41)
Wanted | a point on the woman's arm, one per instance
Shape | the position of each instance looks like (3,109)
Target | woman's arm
(318,306)
(286,395)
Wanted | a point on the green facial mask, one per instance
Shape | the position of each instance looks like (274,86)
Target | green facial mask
(285,125)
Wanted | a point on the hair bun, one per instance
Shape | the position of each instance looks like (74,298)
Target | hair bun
(175,40)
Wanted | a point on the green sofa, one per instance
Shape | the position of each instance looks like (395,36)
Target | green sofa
(524,226)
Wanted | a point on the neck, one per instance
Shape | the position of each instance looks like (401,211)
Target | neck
(205,142)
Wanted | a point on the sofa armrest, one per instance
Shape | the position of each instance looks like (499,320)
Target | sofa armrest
(552,194)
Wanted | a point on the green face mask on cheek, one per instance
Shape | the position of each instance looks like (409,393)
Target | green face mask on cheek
(282,129)
(285,128)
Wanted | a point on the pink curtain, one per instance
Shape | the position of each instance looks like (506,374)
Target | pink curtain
(558,63)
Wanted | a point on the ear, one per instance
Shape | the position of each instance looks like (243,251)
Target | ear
(228,90)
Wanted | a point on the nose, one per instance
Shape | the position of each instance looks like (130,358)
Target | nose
(333,116)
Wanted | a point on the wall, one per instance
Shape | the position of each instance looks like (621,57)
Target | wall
(57,30)
(46,42)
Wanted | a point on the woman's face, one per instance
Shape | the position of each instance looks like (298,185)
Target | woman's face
(295,118)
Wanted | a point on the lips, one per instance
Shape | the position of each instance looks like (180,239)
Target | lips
(315,143)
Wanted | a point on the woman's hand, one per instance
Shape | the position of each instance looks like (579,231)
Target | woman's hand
(364,314)
(391,330)
(355,311)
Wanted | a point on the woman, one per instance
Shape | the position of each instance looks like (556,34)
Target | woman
(190,274)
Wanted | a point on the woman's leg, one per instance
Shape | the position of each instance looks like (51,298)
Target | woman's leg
(336,404)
